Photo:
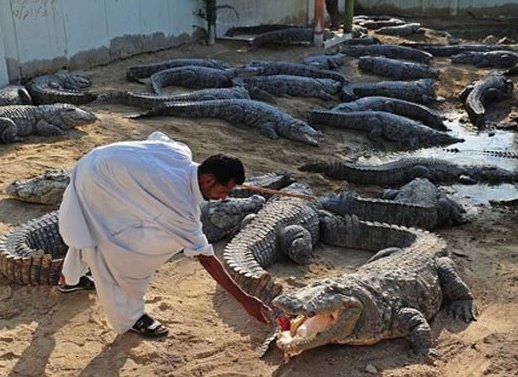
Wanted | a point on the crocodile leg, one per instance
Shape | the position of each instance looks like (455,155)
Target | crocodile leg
(44,128)
(412,322)
(461,300)
(8,131)
(295,242)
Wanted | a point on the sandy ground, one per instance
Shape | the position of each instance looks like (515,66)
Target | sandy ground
(45,333)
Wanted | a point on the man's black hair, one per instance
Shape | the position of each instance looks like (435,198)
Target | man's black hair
(224,168)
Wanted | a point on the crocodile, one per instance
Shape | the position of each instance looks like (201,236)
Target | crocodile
(197,77)
(446,50)
(268,67)
(376,23)
(422,191)
(414,214)
(396,106)
(494,86)
(292,35)
(18,121)
(32,253)
(292,85)
(14,95)
(492,59)
(46,188)
(395,294)
(141,71)
(257,29)
(397,69)
(285,226)
(326,61)
(389,51)
(150,101)
(419,91)
(404,170)
(400,30)
(381,124)
(484,152)
(60,88)
(271,121)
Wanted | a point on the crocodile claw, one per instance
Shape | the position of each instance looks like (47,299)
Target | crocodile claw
(462,309)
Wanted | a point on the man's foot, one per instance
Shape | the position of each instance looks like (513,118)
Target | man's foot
(86,283)
(149,327)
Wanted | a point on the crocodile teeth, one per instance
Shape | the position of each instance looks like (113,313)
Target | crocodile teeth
(296,323)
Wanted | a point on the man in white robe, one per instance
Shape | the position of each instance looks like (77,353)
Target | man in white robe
(129,207)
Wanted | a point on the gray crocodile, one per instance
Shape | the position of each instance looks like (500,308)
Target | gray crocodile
(197,77)
(372,23)
(484,152)
(404,170)
(32,253)
(419,91)
(395,294)
(381,124)
(292,35)
(46,188)
(389,51)
(292,85)
(397,69)
(14,95)
(326,61)
(268,67)
(396,106)
(141,71)
(446,50)
(150,101)
(257,29)
(286,227)
(412,214)
(492,59)
(424,192)
(400,30)
(493,87)
(60,88)
(16,122)
(271,121)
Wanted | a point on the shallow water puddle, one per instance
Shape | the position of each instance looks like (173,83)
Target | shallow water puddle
(471,152)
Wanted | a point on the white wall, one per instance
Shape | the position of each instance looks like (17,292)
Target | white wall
(43,36)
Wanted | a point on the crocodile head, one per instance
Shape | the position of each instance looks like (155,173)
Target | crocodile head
(324,312)
(299,130)
(223,217)
(66,116)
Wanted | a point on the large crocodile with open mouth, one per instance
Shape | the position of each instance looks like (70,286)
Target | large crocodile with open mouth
(395,294)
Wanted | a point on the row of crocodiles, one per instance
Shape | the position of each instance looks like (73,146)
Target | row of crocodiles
(395,110)
(405,284)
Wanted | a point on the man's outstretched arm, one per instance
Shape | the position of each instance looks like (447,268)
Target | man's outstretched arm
(255,307)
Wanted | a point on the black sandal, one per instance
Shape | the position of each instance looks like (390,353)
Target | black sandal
(149,327)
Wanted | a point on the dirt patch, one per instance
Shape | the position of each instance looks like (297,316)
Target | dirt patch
(45,333)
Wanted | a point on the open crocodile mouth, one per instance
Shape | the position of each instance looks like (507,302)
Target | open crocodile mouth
(302,329)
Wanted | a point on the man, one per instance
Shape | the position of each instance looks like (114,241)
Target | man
(131,206)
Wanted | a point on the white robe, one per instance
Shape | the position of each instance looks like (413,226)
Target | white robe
(129,207)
